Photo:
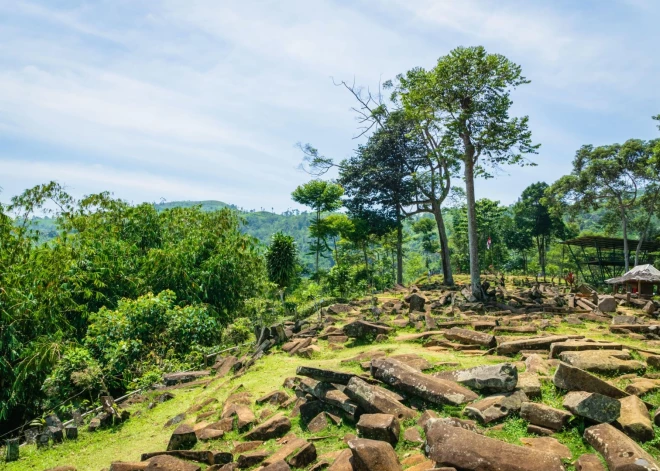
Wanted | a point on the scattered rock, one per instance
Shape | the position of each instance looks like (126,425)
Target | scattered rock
(620,452)
(635,420)
(593,406)
(375,399)
(589,462)
(274,427)
(383,427)
(493,408)
(183,438)
(545,416)
(571,378)
(487,378)
(373,455)
(548,445)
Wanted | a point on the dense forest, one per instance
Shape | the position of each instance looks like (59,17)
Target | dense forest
(100,296)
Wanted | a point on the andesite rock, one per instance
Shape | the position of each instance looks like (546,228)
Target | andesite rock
(593,406)
(373,455)
(183,438)
(170,463)
(274,427)
(360,329)
(545,416)
(574,379)
(548,445)
(470,337)
(635,420)
(383,427)
(605,362)
(487,378)
(620,452)
(589,462)
(375,399)
(496,407)
(581,345)
(330,376)
(469,451)
(427,387)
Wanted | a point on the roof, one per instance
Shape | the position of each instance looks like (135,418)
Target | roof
(646,273)
(612,243)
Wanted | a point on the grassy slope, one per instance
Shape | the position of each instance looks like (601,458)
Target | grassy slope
(145,432)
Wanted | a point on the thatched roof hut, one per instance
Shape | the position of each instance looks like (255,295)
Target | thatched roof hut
(641,279)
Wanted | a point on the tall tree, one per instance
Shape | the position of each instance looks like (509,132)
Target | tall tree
(532,214)
(322,196)
(462,109)
(609,177)
(282,261)
(378,178)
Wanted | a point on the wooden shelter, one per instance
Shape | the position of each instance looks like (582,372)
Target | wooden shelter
(599,258)
(642,279)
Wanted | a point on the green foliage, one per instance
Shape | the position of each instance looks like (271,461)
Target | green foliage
(282,260)
(239,331)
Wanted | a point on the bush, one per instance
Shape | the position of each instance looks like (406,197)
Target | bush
(239,332)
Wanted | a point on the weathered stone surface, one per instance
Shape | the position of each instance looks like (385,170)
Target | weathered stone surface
(593,406)
(170,463)
(127,466)
(548,445)
(470,337)
(242,447)
(416,301)
(295,451)
(486,378)
(373,455)
(589,462)
(620,452)
(183,438)
(343,462)
(361,329)
(171,379)
(329,376)
(469,451)
(331,395)
(535,343)
(318,423)
(383,427)
(605,362)
(274,427)
(607,303)
(641,386)
(530,384)
(375,399)
(201,456)
(411,434)
(274,398)
(248,460)
(411,381)
(413,360)
(303,456)
(635,420)
(496,407)
(580,345)
(277,466)
(545,416)
(536,364)
(574,379)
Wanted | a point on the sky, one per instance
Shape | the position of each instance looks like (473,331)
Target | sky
(206,99)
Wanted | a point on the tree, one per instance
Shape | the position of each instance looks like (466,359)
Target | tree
(425,227)
(533,215)
(282,261)
(322,196)
(610,177)
(378,178)
(462,109)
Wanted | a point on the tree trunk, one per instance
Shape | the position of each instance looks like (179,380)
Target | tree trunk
(626,259)
(318,244)
(399,248)
(475,278)
(448,278)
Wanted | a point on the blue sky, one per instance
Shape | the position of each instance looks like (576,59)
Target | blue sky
(205,99)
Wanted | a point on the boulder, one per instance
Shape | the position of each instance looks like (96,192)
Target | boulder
(593,406)
(361,329)
(548,445)
(581,345)
(416,301)
(375,399)
(496,407)
(469,451)
(274,398)
(589,462)
(486,378)
(620,452)
(635,420)
(248,460)
(318,423)
(409,380)
(170,379)
(603,362)
(413,360)
(183,438)
(571,378)
(545,416)
(277,466)
(470,337)
(274,427)
(373,455)
(383,427)
(530,384)
(607,303)
(329,376)
(534,343)
(170,463)
(343,462)
(641,386)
